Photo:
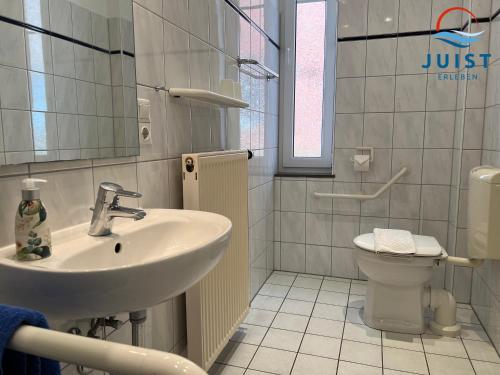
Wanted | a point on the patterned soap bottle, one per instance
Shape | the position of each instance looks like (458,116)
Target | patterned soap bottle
(33,240)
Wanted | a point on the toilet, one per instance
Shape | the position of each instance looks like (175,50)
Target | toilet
(398,291)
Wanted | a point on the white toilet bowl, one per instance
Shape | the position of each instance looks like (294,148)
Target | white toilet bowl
(398,293)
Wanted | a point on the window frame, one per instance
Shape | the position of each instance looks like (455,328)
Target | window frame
(287,102)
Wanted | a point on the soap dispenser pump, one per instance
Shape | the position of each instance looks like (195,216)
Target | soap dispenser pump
(32,232)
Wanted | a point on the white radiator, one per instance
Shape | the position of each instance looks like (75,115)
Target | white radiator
(215,307)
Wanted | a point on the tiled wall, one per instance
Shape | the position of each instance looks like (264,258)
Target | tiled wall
(386,100)
(184,44)
(486,279)
(258,131)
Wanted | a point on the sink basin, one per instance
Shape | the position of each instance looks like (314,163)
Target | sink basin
(140,265)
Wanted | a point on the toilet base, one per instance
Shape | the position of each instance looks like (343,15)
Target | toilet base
(393,308)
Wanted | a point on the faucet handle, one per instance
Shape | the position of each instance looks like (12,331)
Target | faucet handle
(110,186)
(118,190)
(126,193)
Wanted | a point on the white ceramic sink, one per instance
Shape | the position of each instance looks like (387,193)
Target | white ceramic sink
(140,265)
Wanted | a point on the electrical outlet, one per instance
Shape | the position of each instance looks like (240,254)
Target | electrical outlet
(145,134)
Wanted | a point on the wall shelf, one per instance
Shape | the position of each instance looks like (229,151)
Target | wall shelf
(267,72)
(207,96)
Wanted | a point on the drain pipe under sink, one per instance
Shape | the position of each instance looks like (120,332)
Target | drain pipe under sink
(443,304)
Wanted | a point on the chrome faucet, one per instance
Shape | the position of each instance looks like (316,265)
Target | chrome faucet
(107,208)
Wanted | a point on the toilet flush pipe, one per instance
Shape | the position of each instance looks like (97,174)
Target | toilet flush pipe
(465,262)
(444,306)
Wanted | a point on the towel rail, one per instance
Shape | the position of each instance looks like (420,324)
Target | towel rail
(268,73)
(364,197)
(98,354)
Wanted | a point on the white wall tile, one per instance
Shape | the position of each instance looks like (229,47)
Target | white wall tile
(410,93)
(379,94)
(381,59)
(351,58)
(414,15)
(383,17)
(293,257)
(350,95)
(319,229)
(353,18)
(198,18)
(149,47)
(176,11)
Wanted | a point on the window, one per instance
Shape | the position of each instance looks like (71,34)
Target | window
(308,83)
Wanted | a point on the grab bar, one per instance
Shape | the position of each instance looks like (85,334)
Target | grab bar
(98,354)
(364,197)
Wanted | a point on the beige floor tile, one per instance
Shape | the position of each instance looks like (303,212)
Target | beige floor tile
(333,298)
(325,327)
(274,290)
(329,312)
(310,365)
(303,294)
(320,346)
(402,341)
(360,352)
(292,306)
(307,282)
(281,339)
(443,365)
(486,368)
(349,368)
(260,317)
(290,322)
(444,345)
(237,354)
(273,360)
(249,334)
(362,333)
(405,360)
(218,369)
(481,351)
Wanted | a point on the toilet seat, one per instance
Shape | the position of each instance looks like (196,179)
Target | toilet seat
(426,246)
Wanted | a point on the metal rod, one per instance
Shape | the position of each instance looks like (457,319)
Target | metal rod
(270,74)
(137,320)
(363,197)
(99,354)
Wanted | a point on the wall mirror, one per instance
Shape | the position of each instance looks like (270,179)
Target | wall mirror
(67,80)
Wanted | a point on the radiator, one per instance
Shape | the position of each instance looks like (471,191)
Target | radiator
(215,307)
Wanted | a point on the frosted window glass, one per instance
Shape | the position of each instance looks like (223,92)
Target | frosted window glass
(309,74)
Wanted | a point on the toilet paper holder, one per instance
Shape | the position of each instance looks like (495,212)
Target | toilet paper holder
(362,161)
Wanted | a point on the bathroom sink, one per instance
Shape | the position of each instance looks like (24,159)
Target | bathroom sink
(140,265)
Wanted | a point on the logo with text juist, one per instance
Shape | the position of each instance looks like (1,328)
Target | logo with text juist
(460,40)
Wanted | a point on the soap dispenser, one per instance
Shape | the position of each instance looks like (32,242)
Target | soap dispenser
(32,232)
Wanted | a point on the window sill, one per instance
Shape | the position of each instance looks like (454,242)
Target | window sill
(308,175)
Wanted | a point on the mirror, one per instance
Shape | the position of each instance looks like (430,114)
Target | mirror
(67,80)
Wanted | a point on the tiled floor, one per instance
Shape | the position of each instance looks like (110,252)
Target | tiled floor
(310,325)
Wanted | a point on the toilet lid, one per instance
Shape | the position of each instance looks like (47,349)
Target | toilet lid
(426,246)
